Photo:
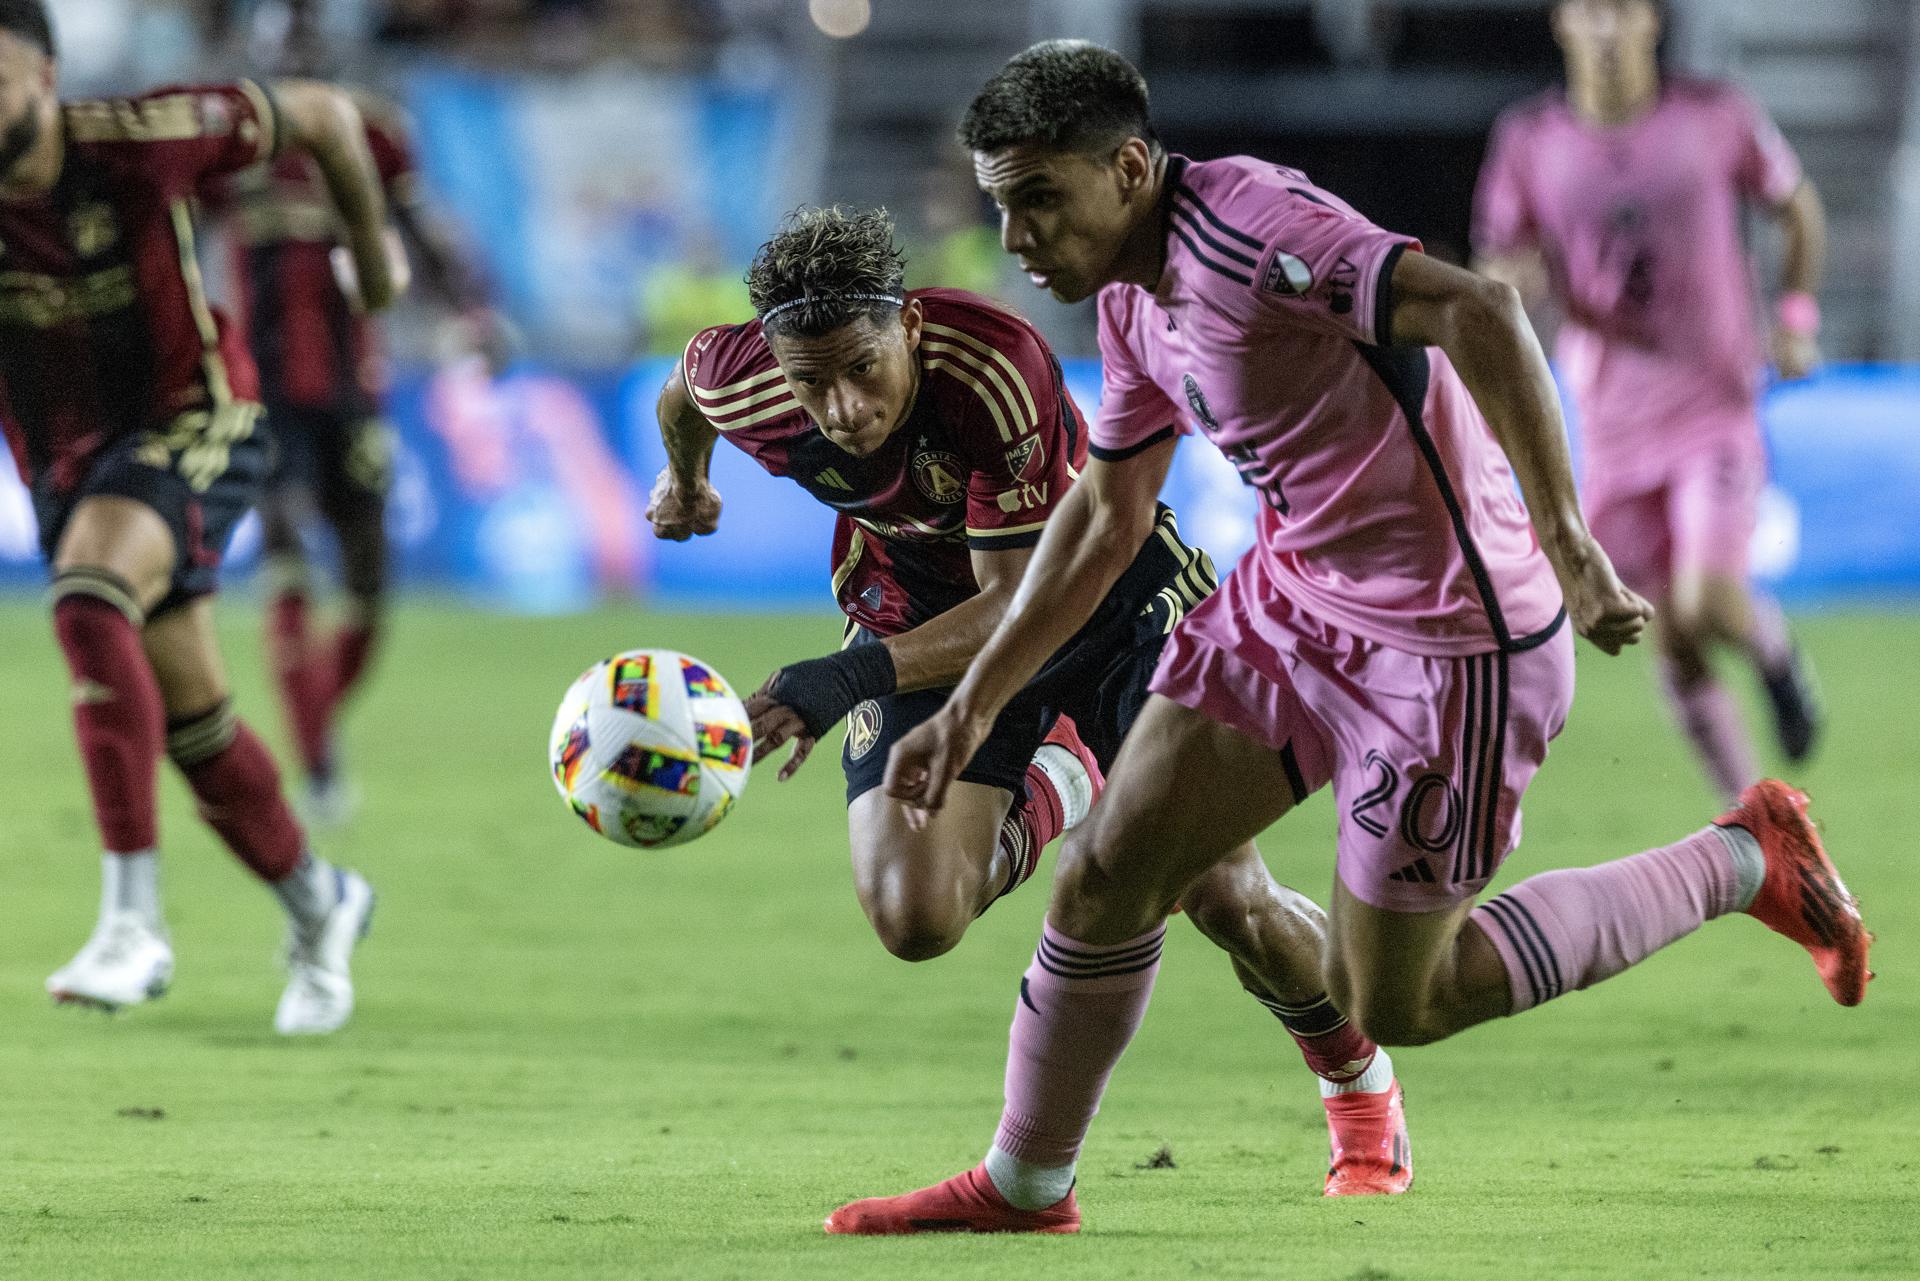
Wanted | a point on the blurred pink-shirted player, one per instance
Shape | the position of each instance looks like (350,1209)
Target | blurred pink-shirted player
(1398,631)
(1629,191)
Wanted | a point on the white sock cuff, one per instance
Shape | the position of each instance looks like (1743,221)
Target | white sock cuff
(1749,864)
(1069,778)
(1377,1077)
(1026,1186)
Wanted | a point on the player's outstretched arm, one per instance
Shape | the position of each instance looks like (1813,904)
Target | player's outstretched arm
(1089,542)
(1796,326)
(683,503)
(324,122)
(1482,327)
(801,701)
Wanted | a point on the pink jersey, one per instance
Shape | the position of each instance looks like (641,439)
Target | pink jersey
(1387,507)
(1640,227)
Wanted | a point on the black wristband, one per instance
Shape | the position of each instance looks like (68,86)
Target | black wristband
(822,690)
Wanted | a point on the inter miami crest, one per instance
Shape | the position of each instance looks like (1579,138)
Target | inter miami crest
(863,729)
(1197,402)
(937,474)
(1027,460)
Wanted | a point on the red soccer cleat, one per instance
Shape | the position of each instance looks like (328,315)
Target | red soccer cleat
(1371,1154)
(1066,734)
(965,1203)
(1803,896)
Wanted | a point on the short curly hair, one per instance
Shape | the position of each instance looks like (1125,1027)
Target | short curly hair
(1071,95)
(27,20)
(825,268)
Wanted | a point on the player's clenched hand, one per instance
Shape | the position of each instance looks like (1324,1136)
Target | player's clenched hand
(775,725)
(1603,609)
(679,512)
(926,762)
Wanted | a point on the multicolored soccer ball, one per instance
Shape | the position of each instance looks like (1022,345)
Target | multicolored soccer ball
(650,748)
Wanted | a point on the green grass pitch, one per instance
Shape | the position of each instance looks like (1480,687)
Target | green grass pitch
(573,1060)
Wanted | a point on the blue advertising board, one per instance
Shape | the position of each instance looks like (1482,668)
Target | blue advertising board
(528,493)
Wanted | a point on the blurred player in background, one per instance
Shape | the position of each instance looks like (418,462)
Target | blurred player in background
(937,425)
(132,407)
(1628,188)
(1399,631)
(321,380)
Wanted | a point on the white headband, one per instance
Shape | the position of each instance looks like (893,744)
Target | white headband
(803,299)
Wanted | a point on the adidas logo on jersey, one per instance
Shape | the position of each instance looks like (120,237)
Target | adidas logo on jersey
(832,479)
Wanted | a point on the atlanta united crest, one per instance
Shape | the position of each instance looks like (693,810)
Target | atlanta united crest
(863,729)
(937,473)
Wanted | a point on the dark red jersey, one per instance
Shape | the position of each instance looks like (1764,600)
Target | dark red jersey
(105,329)
(986,454)
(314,349)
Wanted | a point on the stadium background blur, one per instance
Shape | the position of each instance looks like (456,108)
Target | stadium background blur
(614,162)
(570,1061)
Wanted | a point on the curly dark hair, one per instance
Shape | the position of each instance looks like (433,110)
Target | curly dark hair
(825,268)
(1067,94)
(27,19)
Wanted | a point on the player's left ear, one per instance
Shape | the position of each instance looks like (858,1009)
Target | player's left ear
(1133,168)
(911,320)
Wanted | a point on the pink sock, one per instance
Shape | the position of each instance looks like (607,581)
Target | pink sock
(1711,719)
(1770,643)
(1572,928)
(1079,1007)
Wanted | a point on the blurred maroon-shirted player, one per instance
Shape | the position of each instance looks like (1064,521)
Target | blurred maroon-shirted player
(322,376)
(131,408)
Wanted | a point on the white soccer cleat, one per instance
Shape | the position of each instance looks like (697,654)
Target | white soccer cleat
(126,962)
(319,995)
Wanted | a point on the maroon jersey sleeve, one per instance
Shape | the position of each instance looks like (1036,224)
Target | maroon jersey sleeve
(733,379)
(1023,437)
(184,137)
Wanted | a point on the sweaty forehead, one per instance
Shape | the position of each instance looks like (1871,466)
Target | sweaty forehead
(830,350)
(1006,168)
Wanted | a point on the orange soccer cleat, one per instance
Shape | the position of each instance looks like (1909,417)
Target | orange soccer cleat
(1371,1154)
(965,1203)
(1803,896)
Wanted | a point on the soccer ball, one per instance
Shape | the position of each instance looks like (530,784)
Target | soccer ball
(650,748)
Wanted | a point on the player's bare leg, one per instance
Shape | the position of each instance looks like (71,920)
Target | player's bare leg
(302,667)
(921,889)
(113,563)
(237,786)
(360,525)
(1413,978)
(1120,873)
(1276,938)
(1720,609)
